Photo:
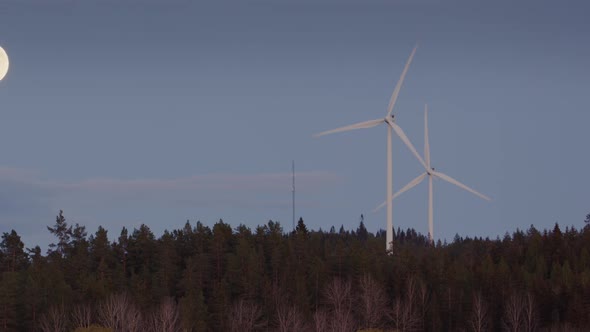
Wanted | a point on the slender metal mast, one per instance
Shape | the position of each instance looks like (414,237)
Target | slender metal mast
(293,194)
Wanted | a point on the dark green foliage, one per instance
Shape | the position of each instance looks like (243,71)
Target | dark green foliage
(301,228)
(102,263)
(63,232)
(207,271)
(193,310)
(13,254)
(9,301)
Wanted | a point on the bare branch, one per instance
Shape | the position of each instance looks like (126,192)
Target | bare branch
(165,318)
(404,317)
(479,314)
(82,316)
(424,301)
(245,316)
(119,313)
(320,321)
(54,320)
(529,313)
(133,319)
(111,311)
(290,319)
(372,302)
(339,299)
(513,313)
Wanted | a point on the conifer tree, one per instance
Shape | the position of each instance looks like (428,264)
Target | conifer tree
(63,233)
(193,310)
(9,300)
(12,249)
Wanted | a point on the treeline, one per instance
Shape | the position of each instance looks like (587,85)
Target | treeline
(220,278)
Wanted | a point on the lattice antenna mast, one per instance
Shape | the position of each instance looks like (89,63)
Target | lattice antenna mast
(293,191)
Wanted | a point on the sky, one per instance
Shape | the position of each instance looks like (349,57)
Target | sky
(128,112)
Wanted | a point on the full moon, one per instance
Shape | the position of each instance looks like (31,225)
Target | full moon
(3,63)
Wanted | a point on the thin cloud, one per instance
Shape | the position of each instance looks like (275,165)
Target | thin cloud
(29,202)
(258,182)
(254,190)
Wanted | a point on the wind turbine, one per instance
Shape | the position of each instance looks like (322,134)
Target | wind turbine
(389,120)
(430,172)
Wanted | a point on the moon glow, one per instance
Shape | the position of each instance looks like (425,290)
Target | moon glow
(3,63)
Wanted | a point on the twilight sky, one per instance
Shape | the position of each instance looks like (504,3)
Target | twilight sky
(130,112)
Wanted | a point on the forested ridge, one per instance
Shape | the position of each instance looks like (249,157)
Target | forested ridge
(221,278)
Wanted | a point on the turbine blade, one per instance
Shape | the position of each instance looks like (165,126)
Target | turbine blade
(426,143)
(398,86)
(360,125)
(380,206)
(407,187)
(398,130)
(460,185)
(410,184)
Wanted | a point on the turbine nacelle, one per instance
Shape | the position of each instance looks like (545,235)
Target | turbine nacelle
(389,119)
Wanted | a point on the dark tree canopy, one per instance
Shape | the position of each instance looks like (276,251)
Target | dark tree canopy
(220,278)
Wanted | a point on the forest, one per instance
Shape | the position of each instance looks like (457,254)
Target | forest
(220,278)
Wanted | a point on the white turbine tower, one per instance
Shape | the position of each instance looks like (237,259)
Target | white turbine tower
(430,172)
(389,120)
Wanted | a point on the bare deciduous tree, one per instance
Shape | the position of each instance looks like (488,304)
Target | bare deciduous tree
(479,314)
(290,319)
(82,316)
(165,317)
(404,315)
(424,301)
(54,320)
(111,311)
(411,291)
(339,298)
(520,313)
(245,316)
(529,313)
(346,323)
(513,313)
(320,321)
(133,319)
(372,302)
(119,313)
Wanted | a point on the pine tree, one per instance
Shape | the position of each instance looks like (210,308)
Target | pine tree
(102,264)
(361,231)
(12,248)
(167,262)
(63,233)
(221,247)
(9,296)
(77,265)
(301,229)
(142,251)
(121,252)
(193,310)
